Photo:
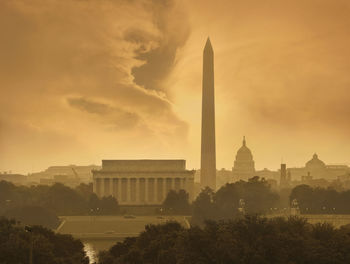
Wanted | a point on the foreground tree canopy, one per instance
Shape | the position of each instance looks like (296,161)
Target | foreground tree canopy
(48,247)
(250,240)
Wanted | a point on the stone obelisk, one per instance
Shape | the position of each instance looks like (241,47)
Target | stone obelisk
(208,152)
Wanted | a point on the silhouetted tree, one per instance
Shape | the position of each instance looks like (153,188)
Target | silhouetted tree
(320,200)
(109,206)
(48,247)
(245,240)
(57,198)
(176,202)
(256,193)
(204,207)
(34,215)
(85,190)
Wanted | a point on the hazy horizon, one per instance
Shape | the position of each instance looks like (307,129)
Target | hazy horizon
(83,81)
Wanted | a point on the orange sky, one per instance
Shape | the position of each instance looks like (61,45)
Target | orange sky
(85,80)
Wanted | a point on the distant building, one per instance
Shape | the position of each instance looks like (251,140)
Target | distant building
(318,169)
(319,182)
(268,174)
(70,175)
(142,182)
(315,172)
(14,178)
(243,167)
(284,180)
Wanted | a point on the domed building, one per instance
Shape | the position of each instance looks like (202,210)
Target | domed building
(243,167)
(316,167)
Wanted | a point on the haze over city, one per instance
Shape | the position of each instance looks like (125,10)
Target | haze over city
(174,132)
(83,81)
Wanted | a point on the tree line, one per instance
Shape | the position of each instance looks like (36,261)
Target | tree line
(42,204)
(255,196)
(321,200)
(244,197)
(246,240)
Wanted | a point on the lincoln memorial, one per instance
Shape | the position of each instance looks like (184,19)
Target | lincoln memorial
(142,182)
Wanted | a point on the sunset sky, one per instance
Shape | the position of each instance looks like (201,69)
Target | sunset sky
(86,80)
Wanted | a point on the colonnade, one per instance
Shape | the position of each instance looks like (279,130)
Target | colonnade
(128,190)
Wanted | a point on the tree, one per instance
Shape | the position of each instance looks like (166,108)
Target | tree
(224,204)
(58,199)
(48,247)
(109,206)
(176,202)
(320,200)
(64,200)
(34,215)
(85,190)
(246,240)
(155,245)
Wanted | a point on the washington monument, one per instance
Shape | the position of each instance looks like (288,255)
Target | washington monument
(208,153)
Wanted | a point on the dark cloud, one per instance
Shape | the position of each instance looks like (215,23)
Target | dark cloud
(89,106)
(115,117)
(160,61)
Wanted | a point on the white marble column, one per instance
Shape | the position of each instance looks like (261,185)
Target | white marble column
(128,190)
(161,192)
(157,190)
(137,195)
(173,184)
(111,187)
(119,192)
(151,195)
(102,187)
(106,186)
(146,190)
(185,187)
(164,189)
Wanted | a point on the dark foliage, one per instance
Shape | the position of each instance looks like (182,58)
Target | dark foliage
(48,247)
(321,200)
(256,193)
(58,198)
(248,240)
(177,203)
(33,215)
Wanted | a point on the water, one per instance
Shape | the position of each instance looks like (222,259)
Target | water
(93,246)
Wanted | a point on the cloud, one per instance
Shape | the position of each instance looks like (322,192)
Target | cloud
(89,106)
(160,61)
(116,118)
(58,57)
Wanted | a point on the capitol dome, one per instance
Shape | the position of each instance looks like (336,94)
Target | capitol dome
(243,167)
(244,152)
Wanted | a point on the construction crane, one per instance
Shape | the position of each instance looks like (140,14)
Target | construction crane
(75,174)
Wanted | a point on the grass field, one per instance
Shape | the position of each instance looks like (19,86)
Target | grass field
(111,226)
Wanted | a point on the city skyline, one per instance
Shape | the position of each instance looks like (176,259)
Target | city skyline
(106,89)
